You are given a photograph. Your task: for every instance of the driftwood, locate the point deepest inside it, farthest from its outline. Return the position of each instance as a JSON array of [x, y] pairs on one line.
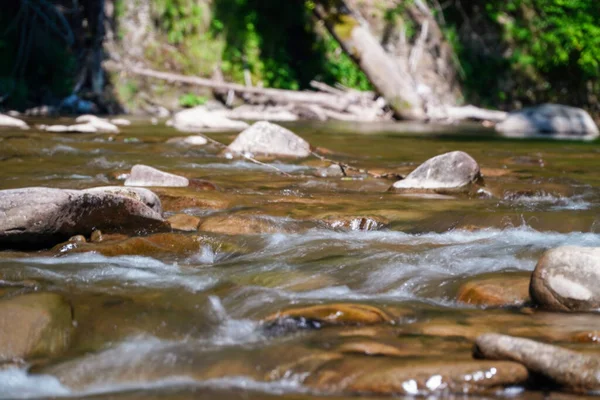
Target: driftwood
[[327, 103]]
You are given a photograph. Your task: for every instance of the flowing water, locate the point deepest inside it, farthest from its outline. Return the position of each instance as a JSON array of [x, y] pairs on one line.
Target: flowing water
[[189, 321]]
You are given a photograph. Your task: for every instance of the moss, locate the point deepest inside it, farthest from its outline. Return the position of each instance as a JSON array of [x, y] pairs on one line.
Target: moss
[[343, 26]]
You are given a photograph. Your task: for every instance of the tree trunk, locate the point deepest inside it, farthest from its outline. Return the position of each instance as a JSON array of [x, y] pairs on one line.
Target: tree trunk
[[392, 80]]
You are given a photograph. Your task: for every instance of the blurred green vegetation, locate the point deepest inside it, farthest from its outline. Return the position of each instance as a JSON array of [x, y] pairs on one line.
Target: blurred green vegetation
[[510, 52], [528, 51]]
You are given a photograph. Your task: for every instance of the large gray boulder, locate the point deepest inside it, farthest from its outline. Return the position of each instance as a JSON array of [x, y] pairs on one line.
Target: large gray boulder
[[143, 175], [570, 369], [449, 171], [41, 217], [550, 121], [567, 279], [267, 139], [200, 119]]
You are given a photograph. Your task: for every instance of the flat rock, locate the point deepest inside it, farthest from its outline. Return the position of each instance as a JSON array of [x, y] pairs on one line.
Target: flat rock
[[233, 224], [12, 122], [199, 118], [34, 325], [500, 290], [570, 369], [40, 217], [393, 376], [450, 171], [267, 139], [568, 279], [550, 121], [143, 175]]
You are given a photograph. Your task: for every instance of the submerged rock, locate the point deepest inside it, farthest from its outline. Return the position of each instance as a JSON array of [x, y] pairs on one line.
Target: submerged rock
[[333, 314], [450, 171], [194, 140], [184, 222], [199, 118], [12, 122], [570, 369], [393, 376], [267, 139], [143, 175], [233, 224], [495, 291], [568, 279], [550, 121], [41, 217], [34, 325]]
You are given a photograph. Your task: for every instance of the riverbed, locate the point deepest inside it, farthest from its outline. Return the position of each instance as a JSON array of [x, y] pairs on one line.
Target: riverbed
[[178, 321]]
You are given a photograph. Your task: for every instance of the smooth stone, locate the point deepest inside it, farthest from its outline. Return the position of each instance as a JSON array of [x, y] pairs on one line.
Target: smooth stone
[[34, 325], [334, 314], [184, 222], [568, 279], [143, 175], [570, 369], [267, 139], [41, 217], [495, 291], [12, 122], [194, 140], [101, 124], [199, 118], [550, 121], [454, 170], [394, 376], [77, 128]]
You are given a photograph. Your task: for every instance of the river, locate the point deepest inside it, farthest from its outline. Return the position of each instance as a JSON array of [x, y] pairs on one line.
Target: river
[[180, 321]]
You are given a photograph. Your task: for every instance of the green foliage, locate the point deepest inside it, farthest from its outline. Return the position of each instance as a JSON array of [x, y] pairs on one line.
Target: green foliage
[[179, 18], [279, 45], [529, 50], [192, 100]]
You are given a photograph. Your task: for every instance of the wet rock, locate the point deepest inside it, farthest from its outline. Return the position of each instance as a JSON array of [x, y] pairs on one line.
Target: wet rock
[[568, 279], [332, 171], [146, 196], [194, 140], [41, 217], [199, 118], [267, 139], [550, 121], [77, 128], [184, 222], [143, 175], [393, 376], [34, 325], [496, 291], [238, 225], [450, 171], [12, 122], [570, 369], [333, 314]]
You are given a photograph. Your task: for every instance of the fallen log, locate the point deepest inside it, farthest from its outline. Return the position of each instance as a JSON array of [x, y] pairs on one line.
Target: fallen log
[[278, 96]]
